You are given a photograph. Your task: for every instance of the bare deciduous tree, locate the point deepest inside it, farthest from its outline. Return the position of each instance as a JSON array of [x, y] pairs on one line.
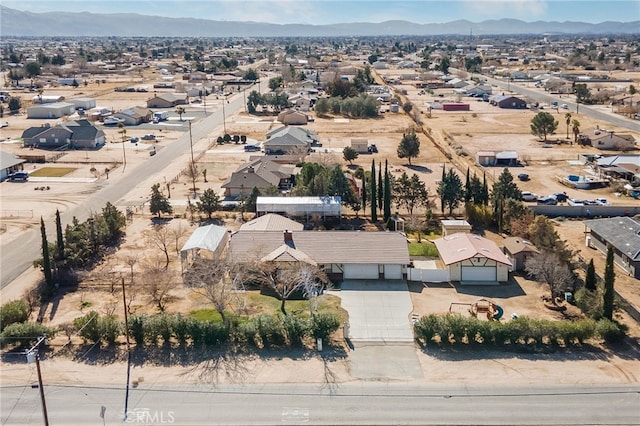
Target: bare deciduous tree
[[285, 279], [157, 282], [550, 269], [178, 231], [160, 237]]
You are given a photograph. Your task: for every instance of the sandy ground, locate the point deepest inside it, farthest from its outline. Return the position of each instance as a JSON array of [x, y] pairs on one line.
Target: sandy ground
[[22, 205]]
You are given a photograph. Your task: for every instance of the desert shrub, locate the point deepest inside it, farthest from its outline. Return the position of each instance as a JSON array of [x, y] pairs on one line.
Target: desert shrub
[[609, 331], [481, 215], [88, 327], [152, 328], [165, 326], [427, 328], [182, 328], [297, 329], [499, 334], [324, 325], [271, 330], [24, 334], [247, 333], [589, 302], [110, 328], [137, 325], [13, 312], [455, 327]]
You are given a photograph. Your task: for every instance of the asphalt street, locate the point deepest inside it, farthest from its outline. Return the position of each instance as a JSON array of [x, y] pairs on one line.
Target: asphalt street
[[350, 403]]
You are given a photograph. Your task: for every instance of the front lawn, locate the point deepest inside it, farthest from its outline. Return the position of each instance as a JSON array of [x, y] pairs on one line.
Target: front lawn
[[423, 249], [52, 172]]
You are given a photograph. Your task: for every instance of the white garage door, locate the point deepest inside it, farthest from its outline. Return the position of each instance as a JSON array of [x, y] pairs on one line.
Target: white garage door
[[361, 271], [479, 273], [392, 272]]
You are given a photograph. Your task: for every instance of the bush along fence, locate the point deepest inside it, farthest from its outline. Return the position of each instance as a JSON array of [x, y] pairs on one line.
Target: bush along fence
[[455, 329], [262, 331]]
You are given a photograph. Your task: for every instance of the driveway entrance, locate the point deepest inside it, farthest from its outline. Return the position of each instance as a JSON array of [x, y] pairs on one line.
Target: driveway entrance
[[378, 310]]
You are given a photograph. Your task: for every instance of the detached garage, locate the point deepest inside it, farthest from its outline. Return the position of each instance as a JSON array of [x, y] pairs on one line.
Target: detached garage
[[472, 259]]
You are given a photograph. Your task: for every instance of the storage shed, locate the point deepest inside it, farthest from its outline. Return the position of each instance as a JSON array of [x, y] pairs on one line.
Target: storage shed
[[448, 106], [83, 103], [300, 206], [53, 110]]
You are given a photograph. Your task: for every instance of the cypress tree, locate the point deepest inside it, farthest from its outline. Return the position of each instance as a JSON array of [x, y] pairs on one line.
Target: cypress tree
[[467, 188], [380, 187], [485, 190], [590, 278], [374, 204], [59, 238], [46, 261], [364, 194], [609, 278], [442, 181], [387, 192]]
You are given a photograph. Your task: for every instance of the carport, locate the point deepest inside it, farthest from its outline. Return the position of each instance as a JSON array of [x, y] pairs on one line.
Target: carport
[[378, 310]]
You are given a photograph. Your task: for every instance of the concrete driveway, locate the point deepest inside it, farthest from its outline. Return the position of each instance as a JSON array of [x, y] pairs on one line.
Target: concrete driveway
[[378, 310]]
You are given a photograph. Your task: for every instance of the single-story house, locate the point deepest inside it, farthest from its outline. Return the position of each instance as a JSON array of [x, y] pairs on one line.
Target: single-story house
[[472, 259], [272, 222], [341, 254], [502, 158], [518, 250], [134, 116], [511, 102], [479, 90], [623, 234], [292, 116], [301, 133], [260, 173], [206, 241], [168, 100], [306, 207], [74, 134], [83, 103], [52, 110], [288, 141], [612, 140], [9, 163], [621, 166]]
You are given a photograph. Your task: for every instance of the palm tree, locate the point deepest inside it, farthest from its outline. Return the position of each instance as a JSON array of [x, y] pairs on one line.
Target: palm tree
[[576, 130], [180, 110], [567, 119], [122, 131]]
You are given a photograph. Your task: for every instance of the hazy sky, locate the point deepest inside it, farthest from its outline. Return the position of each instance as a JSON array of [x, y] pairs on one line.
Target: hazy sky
[[333, 11]]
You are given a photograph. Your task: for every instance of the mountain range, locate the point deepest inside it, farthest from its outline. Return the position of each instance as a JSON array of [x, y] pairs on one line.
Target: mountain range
[[58, 24]]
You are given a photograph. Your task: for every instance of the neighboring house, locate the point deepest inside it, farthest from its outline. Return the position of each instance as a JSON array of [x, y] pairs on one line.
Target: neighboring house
[[510, 102], [260, 173], [302, 102], [341, 254], [206, 242], [472, 259], [502, 158], [287, 140], [611, 140], [623, 234], [51, 110], [168, 100], [272, 222], [134, 116], [453, 226], [518, 250], [479, 90], [83, 103], [79, 134], [9, 163], [620, 166], [291, 116], [306, 207]]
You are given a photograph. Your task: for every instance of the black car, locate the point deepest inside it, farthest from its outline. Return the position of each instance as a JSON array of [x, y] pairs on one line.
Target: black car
[[561, 197], [523, 177]]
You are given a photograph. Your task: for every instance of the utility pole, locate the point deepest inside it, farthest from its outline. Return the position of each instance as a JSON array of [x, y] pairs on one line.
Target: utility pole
[[33, 356], [193, 164], [124, 157], [126, 332], [224, 117]]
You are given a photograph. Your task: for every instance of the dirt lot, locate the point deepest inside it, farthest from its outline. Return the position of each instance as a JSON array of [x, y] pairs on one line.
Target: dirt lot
[[491, 128]]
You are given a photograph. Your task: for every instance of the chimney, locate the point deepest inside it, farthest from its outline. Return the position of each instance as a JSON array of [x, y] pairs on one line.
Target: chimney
[[288, 237], [250, 169]]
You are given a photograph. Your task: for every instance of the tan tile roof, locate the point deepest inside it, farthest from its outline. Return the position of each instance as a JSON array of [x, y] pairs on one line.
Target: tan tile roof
[[326, 247], [272, 222], [285, 253], [519, 245], [462, 246]]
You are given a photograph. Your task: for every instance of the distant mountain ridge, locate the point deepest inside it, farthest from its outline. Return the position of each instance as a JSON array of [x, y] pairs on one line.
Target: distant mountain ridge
[[51, 24]]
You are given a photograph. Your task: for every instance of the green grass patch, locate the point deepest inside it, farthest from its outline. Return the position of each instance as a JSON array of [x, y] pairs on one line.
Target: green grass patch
[[206, 315], [52, 171], [423, 249]]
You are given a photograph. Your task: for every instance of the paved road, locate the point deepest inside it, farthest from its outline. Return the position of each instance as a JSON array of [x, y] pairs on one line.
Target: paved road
[[595, 112], [17, 255], [350, 403]]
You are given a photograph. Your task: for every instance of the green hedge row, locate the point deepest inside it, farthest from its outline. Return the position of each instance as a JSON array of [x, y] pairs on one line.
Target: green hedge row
[[13, 312], [259, 331], [457, 329], [24, 334]]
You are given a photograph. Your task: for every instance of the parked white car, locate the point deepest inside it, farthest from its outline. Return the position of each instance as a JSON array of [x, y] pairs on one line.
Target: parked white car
[[529, 196]]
